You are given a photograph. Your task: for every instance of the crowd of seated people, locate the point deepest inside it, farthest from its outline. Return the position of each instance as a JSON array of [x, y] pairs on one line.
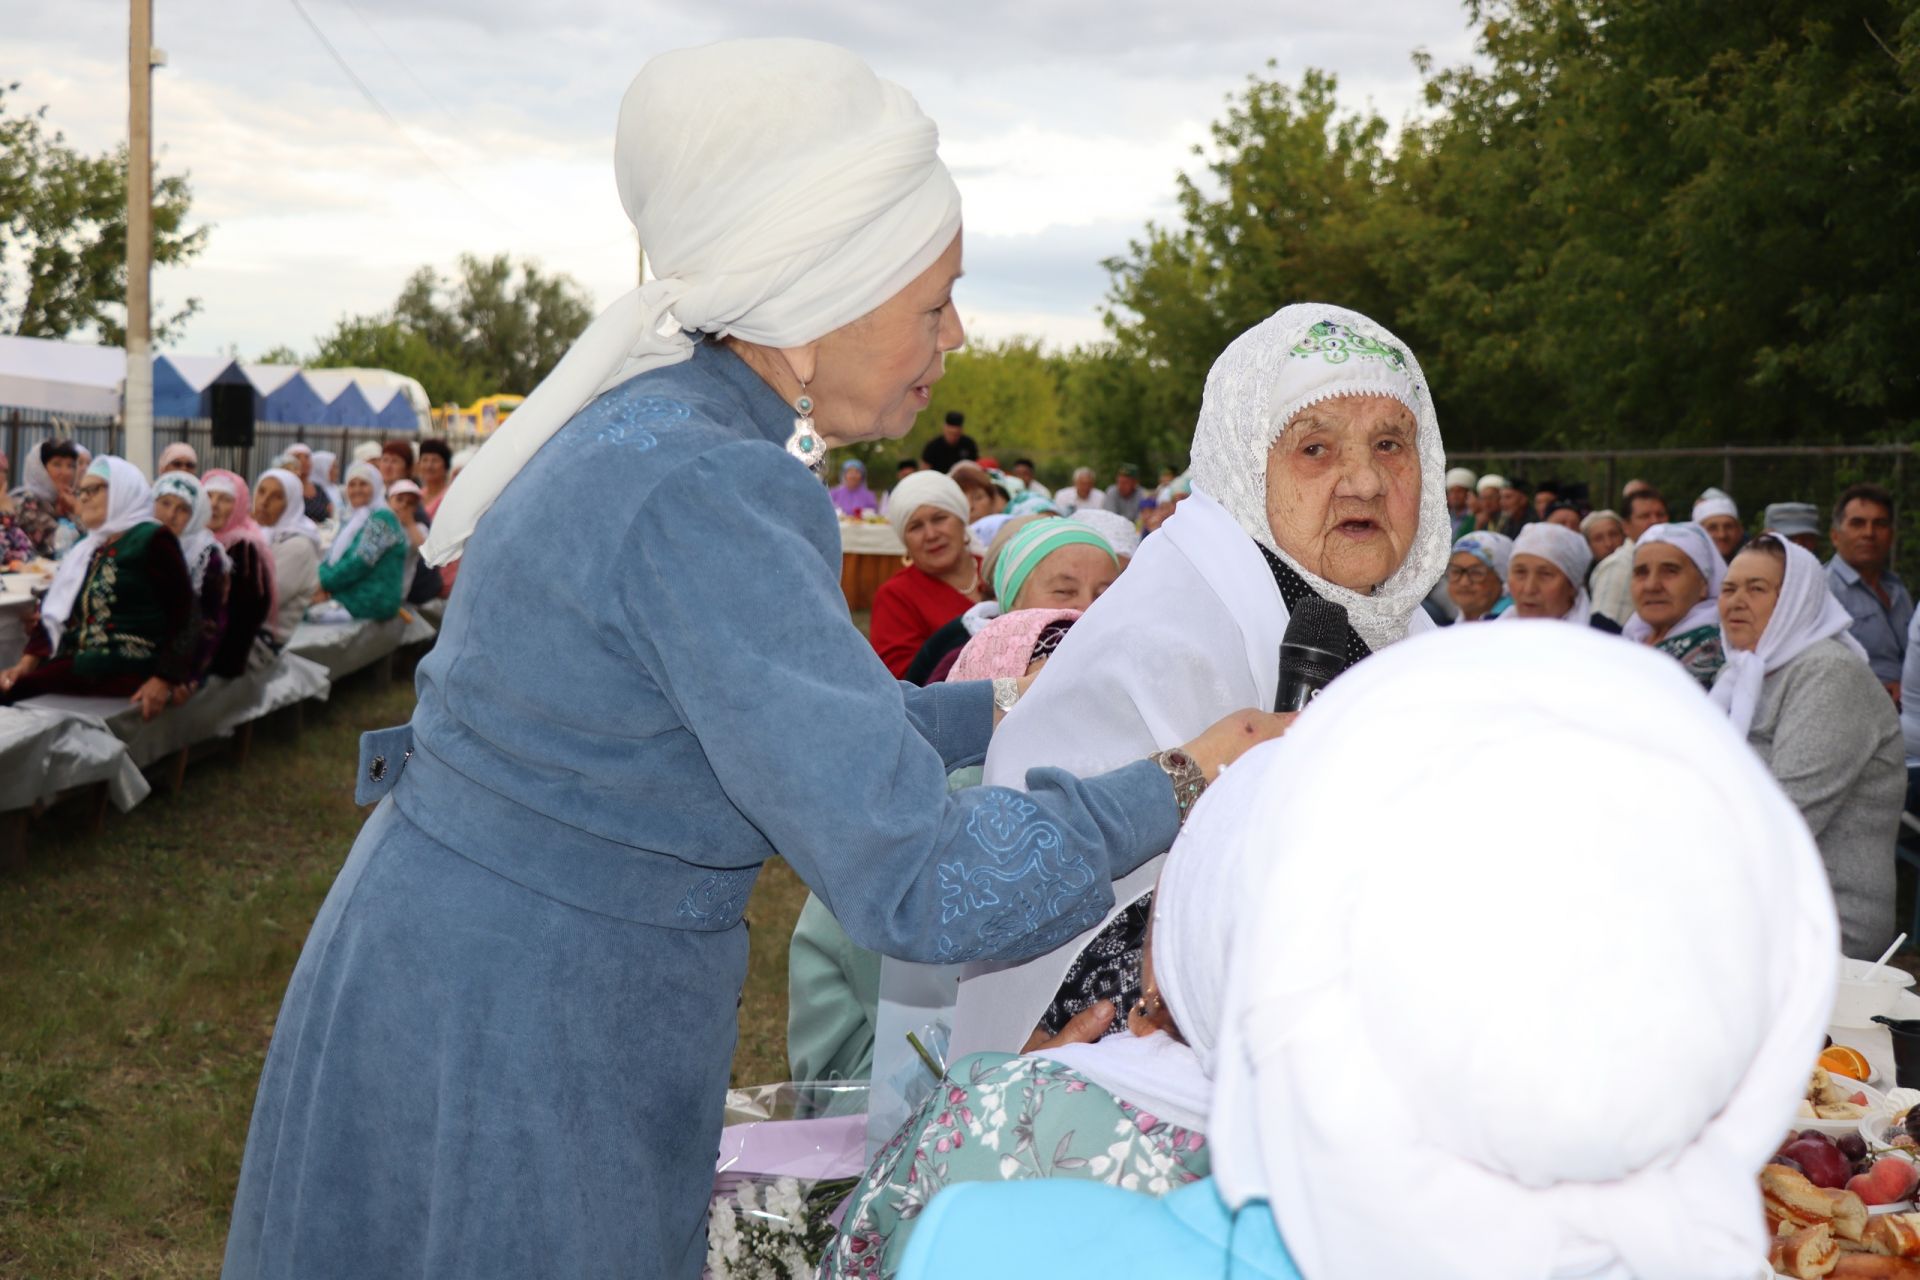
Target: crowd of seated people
[[158, 586], [1712, 648]]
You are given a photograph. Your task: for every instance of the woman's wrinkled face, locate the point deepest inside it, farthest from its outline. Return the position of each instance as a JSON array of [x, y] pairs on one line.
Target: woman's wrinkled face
[[1343, 489], [872, 377], [1748, 597], [219, 509], [393, 469], [1071, 578], [935, 540], [1665, 584], [172, 511], [1538, 588], [359, 491], [431, 470], [1471, 585], [269, 502], [90, 501], [1606, 539]]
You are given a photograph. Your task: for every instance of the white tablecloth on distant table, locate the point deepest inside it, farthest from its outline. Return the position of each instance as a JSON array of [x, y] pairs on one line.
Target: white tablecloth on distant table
[[214, 711], [43, 753], [862, 539], [345, 647]]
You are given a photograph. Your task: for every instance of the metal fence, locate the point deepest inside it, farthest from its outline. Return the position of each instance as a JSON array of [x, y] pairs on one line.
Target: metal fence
[[21, 429]]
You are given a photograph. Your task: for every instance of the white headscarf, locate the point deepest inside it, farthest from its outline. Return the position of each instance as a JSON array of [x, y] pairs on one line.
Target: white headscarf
[[1566, 551], [924, 488], [1299, 356], [129, 504], [323, 463], [1715, 502], [1697, 544], [356, 518], [1495, 550], [34, 479], [199, 547], [1207, 884], [293, 521], [1584, 1077], [781, 189], [1805, 614], [1119, 531]]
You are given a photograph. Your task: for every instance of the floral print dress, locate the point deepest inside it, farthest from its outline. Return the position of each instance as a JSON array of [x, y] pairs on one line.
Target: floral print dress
[[1002, 1118], [1700, 651]]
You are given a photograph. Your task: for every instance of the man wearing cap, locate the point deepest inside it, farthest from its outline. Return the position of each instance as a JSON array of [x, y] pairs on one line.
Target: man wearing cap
[[1716, 512], [1861, 578], [1516, 508], [1124, 498], [1797, 522], [1460, 486], [1487, 502], [952, 445]]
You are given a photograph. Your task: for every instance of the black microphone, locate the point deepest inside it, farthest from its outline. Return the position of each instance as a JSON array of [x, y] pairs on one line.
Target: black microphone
[[1312, 653]]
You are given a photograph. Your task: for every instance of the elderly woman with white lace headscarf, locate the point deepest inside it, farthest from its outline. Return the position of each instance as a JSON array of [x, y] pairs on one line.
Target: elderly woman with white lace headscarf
[[181, 503], [1318, 472], [505, 1048], [1797, 684], [1400, 1094]]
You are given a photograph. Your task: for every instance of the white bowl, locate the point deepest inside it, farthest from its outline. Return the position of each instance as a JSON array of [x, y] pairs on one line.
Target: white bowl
[[1866, 989], [1876, 1105]]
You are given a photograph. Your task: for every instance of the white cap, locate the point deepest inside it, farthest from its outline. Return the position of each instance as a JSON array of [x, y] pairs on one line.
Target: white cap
[[1460, 478], [1491, 481]]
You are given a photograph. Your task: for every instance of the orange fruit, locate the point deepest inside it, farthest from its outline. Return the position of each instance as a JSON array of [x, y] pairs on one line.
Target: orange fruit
[[1842, 1061]]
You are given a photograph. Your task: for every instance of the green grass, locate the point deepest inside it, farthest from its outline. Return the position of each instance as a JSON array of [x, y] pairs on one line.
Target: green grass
[[142, 971]]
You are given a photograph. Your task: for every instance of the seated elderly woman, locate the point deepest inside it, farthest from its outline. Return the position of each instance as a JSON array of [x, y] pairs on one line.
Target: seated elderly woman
[[851, 497], [180, 504], [1797, 684], [1677, 572], [833, 985], [250, 580], [366, 566], [985, 497], [1317, 471], [178, 456], [1477, 575], [43, 505], [118, 619], [315, 499], [1547, 577], [296, 550], [928, 513], [1054, 1112], [1380, 1109], [1046, 563]]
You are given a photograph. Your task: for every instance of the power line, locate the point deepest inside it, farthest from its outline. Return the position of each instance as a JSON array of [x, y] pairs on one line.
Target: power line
[[446, 114]]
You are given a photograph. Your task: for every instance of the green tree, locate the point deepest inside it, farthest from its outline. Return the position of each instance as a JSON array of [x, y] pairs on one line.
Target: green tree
[[369, 342], [506, 325], [63, 234]]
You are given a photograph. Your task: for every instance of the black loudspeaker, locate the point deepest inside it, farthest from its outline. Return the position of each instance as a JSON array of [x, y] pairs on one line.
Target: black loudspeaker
[[231, 408]]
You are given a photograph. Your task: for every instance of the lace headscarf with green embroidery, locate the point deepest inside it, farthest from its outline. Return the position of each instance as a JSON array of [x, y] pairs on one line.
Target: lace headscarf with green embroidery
[[1297, 357]]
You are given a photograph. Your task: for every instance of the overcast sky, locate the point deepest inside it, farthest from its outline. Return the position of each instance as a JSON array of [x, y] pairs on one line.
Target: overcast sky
[[1064, 122]]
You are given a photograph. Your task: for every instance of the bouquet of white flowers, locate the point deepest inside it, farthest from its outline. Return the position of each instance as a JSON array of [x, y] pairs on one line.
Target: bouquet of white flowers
[[789, 1156]]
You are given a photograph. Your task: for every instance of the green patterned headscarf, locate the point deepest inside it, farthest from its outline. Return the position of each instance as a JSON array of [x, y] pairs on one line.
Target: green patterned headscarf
[[1035, 543]]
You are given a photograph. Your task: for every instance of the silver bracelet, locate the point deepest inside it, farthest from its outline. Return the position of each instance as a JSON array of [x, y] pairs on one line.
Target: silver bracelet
[[1006, 692], [1186, 775]]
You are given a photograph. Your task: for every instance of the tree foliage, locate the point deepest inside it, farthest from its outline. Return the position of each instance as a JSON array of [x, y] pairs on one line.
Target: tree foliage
[[491, 327], [63, 234]]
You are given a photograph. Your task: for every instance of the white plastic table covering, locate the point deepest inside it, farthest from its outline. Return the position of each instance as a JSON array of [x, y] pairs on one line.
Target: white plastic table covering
[[45, 752]]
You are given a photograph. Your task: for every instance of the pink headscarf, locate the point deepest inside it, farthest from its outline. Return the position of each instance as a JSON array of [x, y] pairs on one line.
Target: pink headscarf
[[241, 526], [1004, 647]]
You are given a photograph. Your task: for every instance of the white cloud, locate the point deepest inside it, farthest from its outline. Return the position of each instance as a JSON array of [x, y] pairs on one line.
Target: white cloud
[[1064, 121]]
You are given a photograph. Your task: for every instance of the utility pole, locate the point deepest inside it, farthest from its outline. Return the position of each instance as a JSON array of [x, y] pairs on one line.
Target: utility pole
[[138, 412]]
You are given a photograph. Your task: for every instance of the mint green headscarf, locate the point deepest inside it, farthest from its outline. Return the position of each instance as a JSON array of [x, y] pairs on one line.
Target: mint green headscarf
[[1032, 545]]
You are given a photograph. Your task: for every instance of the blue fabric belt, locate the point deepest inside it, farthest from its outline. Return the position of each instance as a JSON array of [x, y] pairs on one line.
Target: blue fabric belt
[[541, 853]]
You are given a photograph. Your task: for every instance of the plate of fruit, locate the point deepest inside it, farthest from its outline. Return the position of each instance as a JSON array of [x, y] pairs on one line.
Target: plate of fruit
[[1845, 1064], [1885, 1182], [1835, 1105]]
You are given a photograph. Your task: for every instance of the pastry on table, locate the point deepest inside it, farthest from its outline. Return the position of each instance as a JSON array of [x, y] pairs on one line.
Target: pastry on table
[[1894, 1235], [1789, 1198], [1808, 1253]]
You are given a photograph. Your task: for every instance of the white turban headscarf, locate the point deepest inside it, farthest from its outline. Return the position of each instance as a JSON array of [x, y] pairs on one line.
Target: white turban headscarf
[[1566, 551], [925, 488], [1299, 356], [1805, 613], [781, 190], [129, 504], [1697, 545], [1576, 1070]]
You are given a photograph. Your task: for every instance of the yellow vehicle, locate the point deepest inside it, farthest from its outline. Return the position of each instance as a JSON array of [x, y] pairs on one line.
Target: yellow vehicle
[[476, 419]]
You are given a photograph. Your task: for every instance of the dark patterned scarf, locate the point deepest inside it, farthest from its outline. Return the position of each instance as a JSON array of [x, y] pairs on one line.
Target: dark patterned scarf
[[1294, 589]]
